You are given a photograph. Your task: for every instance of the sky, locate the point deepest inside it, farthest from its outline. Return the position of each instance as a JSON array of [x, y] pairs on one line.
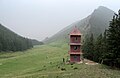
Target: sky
[[38, 19]]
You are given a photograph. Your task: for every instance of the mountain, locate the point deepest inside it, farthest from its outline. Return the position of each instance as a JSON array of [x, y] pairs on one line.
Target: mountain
[[10, 41], [95, 23], [36, 42]]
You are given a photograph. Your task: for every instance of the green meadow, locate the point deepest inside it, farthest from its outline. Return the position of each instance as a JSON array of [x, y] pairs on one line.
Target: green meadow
[[46, 62]]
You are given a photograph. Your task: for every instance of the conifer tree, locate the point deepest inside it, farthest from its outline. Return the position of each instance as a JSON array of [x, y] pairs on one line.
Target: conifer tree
[[88, 47], [98, 48], [104, 47], [112, 56]]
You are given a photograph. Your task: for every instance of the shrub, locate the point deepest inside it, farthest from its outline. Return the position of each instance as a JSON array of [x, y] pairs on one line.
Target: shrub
[[75, 68], [63, 69]]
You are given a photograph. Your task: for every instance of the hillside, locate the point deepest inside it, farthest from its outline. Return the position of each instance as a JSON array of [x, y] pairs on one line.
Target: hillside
[[95, 23], [10, 41], [36, 42], [46, 62]]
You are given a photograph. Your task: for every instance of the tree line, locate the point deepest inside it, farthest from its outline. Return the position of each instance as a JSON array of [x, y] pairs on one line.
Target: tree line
[[105, 48], [9, 41]]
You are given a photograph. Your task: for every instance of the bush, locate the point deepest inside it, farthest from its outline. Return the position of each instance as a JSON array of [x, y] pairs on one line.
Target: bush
[[63, 69], [75, 68], [71, 66], [58, 67]]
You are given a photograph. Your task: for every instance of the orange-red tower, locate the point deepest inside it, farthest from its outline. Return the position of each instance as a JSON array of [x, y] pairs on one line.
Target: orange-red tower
[[75, 45]]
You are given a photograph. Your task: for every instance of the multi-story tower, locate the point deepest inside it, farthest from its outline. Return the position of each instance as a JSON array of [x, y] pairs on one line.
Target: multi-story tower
[[75, 45]]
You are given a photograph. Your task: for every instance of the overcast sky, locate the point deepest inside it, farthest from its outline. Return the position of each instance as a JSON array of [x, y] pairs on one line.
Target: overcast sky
[[38, 19]]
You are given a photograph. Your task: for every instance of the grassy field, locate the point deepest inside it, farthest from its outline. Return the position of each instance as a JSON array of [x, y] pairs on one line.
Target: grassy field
[[46, 62]]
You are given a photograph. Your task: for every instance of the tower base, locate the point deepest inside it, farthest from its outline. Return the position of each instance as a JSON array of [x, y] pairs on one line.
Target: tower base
[[75, 58]]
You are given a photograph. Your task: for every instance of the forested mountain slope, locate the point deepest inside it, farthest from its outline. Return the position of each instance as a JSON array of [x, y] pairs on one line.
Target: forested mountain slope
[[36, 42], [10, 41]]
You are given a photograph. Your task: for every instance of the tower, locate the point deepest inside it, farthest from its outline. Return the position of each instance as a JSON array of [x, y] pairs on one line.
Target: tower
[[75, 45]]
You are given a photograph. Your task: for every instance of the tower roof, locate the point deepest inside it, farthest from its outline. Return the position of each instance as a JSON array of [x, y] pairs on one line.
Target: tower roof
[[75, 31]]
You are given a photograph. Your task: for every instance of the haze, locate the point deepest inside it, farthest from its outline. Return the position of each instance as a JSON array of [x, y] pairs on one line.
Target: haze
[[38, 19]]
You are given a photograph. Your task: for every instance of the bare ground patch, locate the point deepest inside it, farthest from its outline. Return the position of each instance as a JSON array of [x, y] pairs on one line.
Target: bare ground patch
[[89, 62]]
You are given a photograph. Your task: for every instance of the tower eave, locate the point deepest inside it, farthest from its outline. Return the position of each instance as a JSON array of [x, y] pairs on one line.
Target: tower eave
[[75, 43], [75, 53]]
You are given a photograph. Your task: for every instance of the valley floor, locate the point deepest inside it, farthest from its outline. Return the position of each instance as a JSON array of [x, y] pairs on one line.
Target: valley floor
[[46, 62]]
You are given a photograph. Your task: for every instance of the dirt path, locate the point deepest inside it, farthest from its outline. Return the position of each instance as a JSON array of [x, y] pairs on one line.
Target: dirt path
[[89, 62]]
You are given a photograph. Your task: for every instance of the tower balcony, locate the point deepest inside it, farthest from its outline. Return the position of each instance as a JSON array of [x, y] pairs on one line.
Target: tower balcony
[[69, 52], [75, 44]]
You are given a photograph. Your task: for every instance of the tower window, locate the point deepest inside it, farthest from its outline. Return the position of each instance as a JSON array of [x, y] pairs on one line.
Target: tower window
[[75, 58], [75, 47], [75, 38]]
